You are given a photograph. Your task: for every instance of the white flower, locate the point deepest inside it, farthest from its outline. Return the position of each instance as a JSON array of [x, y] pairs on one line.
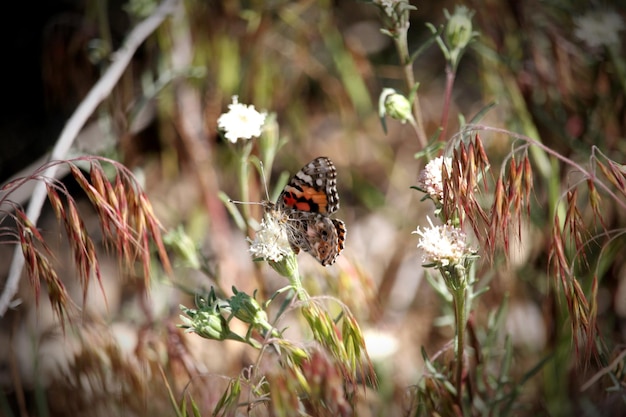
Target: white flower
[[270, 242], [431, 177], [442, 245], [241, 121], [598, 28]]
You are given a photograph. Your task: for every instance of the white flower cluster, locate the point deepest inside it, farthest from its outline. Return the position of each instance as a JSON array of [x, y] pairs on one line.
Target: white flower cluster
[[270, 241], [241, 121], [442, 245], [598, 28], [431, 177]]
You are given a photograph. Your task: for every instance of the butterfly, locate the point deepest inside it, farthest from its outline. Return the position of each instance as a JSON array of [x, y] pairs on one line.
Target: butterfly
[[304, 207]]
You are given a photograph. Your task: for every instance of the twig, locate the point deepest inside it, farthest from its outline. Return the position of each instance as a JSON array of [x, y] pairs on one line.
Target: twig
[[612, 366], [101, 90]]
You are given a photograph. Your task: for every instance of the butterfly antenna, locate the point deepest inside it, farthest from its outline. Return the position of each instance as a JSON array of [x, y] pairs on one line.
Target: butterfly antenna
[[267, 195], [230, 200]]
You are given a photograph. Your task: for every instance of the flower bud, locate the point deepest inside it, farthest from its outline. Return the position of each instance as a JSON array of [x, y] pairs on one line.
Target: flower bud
[[248, 310], [459, 29], [395, 105], [209, 324]]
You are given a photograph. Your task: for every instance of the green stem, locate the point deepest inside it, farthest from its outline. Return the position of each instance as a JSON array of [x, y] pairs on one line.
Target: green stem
[[456, 281], [296, 284], [459, 297], [288, 268], [244, 186], [402, 46]]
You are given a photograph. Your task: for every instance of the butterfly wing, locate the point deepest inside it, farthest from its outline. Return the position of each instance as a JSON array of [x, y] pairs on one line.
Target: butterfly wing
[[320, 236], [313, 189]]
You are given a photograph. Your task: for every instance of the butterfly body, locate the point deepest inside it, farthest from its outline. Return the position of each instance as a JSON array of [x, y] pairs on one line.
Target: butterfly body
[[304, 207]]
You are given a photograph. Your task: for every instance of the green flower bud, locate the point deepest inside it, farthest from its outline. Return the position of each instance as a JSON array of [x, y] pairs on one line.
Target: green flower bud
[[248, 310], [398, 107], [459, 29], [209, 324], [395, 105]]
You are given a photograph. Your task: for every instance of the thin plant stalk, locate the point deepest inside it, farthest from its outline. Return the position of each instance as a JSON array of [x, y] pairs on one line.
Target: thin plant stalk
[[407, 67], [244, 188], [296, 283], [456, 281], [241, 151], [460, 317]]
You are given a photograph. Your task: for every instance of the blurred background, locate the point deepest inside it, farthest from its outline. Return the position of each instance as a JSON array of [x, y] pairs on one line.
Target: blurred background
[[320, 67]]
